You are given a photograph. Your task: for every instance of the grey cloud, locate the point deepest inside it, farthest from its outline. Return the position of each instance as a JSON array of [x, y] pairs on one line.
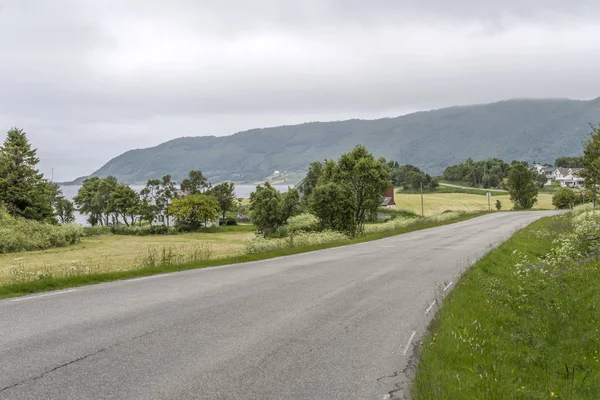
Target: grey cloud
[[90, 80]]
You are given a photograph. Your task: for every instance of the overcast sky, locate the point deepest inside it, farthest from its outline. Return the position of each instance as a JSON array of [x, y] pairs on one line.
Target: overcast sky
[[91, 79]]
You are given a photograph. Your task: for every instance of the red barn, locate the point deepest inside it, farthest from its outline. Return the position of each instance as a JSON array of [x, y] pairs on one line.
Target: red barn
[[388, 198]]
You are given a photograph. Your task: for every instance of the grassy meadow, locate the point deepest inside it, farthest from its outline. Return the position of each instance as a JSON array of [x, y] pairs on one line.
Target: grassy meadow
[[523, 323], [437, 203], [105, 253]]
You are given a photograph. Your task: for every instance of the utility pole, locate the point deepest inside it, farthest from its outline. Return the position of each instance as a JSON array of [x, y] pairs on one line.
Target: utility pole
[[422, 204], [489, 196]]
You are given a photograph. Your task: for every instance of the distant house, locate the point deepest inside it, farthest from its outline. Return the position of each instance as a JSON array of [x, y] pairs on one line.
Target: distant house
[[388, 198], [569, 177], [545, 170]]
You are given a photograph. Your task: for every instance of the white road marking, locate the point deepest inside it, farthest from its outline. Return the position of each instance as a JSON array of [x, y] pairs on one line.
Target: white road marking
[[410, 339], [430, 307], [43, 295], [448, 287]]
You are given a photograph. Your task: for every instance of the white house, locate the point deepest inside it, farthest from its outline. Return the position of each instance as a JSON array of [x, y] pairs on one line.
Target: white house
[[548, 171], [569, 177]]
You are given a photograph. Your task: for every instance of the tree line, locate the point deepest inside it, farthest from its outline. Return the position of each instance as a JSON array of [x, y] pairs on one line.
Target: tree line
[[195, 203]]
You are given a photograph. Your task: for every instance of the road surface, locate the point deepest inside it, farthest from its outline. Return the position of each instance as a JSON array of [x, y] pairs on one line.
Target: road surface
[[334, 324]]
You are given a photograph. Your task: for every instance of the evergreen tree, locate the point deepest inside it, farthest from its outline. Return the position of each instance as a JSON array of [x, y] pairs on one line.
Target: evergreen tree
[[23, 188]]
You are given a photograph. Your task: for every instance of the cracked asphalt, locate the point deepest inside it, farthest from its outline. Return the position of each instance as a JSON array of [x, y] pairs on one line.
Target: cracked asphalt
[[340, 323]]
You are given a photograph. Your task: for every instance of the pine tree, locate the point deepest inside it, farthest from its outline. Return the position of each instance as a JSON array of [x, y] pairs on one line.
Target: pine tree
[[23, 188]]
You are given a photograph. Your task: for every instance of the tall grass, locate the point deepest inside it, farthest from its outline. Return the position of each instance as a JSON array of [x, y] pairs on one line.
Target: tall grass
[[258, 244], [524, 322], [17, 234], [153, 257]]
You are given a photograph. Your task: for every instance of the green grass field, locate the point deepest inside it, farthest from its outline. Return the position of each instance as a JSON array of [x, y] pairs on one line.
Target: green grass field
[[514, 328], [106, 253], [437, 203]]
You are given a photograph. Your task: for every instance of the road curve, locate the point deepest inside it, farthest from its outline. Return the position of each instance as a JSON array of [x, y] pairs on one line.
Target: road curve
[[334, 324]]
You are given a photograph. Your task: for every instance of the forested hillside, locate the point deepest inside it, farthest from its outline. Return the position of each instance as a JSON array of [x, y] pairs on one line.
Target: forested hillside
[[540, 130]]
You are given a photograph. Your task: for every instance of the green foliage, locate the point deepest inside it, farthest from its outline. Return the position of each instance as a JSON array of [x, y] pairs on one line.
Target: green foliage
[[410, 177], [311, 180], [142, 230], [591, 160], [23, 190], [65, 211], [523, 322], [269, 209], [195, 183], [302, 223], [522, 187], [156, 197], [569, 162], [20, 234], [125, 203], [333, 204], [486, 173], [93, 198], [564, 198], [225, 195], [498, 205], [195, 210], [362, 178], [515, 129]]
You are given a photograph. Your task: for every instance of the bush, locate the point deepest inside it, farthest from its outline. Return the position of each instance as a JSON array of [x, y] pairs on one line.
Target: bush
[[143, 230], [227, 221], [97, 230], [259, 244], [17, 234], [564, 198], [302, 223]]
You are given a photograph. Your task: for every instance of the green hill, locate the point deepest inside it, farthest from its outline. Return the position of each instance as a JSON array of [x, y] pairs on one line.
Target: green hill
[[539, 130]]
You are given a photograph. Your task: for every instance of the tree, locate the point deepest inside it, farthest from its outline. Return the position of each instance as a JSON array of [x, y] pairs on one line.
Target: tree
[[125, 203], [541, 180], [569, 162], [522, 187], [65, 211], [93, 199], [269, 209], [23, 190], [311, 180], [564, 198], [333, 204], [364, 176], [195, 210], [225, 195], [498, 205], [591, 162], [195, 183]]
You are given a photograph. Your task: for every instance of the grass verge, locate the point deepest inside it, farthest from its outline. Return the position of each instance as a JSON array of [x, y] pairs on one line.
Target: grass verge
[[51, 283], [517, 326]]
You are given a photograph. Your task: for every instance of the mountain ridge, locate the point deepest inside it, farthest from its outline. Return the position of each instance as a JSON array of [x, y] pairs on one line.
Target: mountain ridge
[[529, 129]]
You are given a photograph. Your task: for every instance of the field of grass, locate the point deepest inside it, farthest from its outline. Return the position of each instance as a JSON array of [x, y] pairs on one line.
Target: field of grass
[[119, 252], [519, 324], [437, 203], [46, 282]]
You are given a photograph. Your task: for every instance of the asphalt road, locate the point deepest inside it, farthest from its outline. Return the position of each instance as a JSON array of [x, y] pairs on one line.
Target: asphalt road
[[335, 324]]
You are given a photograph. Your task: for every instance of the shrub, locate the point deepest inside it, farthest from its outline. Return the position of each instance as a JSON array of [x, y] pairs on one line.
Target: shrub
[[17, 234], [259, 244], [97, 230], [142, 230], [302, 223], [227, 221], [564, 198]]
